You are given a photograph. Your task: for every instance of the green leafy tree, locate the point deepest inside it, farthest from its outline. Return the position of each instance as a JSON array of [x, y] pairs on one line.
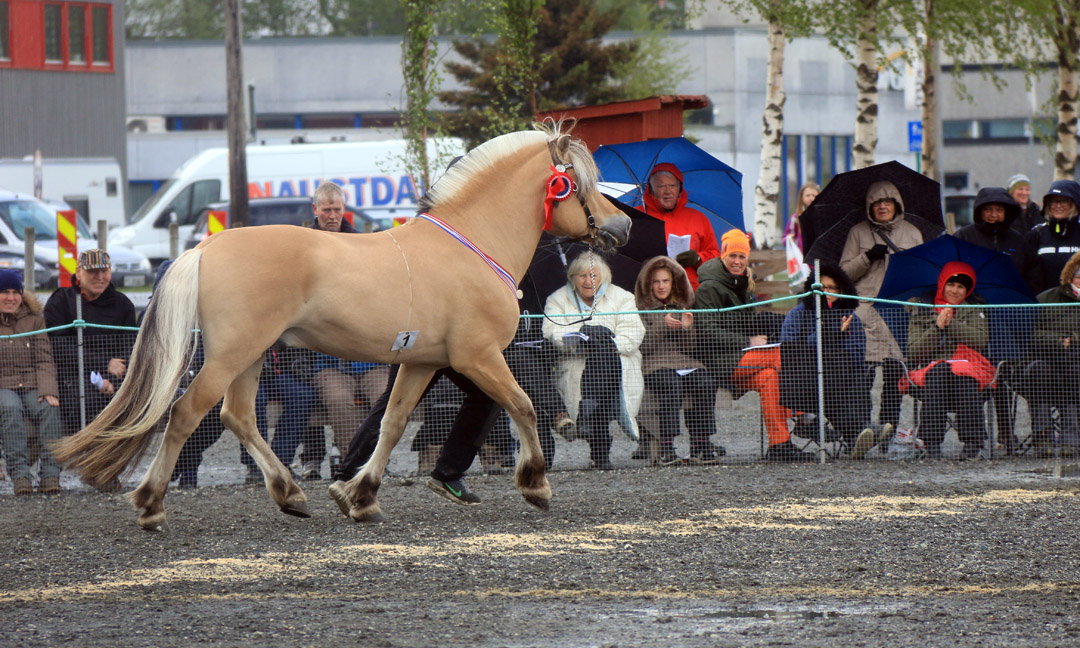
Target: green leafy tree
[[363, 17], [546, 56]]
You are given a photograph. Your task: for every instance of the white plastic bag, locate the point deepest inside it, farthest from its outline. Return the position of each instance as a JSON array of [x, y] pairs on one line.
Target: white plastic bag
[[904, 445]]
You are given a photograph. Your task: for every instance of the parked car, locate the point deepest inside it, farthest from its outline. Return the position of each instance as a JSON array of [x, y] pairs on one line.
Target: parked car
[[19, 211], [13, 258], [284, 211]]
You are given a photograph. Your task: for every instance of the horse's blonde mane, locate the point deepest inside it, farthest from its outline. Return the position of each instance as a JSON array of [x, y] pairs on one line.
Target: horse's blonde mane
[[488, 154]]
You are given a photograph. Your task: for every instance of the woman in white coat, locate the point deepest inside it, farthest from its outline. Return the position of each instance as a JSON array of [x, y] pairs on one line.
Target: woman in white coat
[[599, 368]]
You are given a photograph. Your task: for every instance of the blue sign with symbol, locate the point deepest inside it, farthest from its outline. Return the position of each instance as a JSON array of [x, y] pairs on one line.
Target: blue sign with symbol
[[914, 136]]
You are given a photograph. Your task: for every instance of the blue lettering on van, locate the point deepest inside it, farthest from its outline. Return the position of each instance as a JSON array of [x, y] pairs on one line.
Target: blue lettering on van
[[360, 191], [358, 188], [406, 191], [382, 190]]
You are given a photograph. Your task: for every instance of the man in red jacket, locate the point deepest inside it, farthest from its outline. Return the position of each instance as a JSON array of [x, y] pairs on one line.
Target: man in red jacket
[[690, 237]]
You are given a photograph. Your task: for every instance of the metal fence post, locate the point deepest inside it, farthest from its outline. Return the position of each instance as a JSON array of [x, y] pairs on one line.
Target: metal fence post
[[820, 363]]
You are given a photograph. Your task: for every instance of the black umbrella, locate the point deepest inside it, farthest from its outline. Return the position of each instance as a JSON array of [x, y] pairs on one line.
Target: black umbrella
[[846, 193], [830, 245], [547, 272]]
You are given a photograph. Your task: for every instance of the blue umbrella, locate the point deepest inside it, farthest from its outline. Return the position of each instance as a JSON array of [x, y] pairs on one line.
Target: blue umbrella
[[914, 273], [712, 187]]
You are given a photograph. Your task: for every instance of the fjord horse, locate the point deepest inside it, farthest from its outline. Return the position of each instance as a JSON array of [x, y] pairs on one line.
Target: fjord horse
[[439, 291]]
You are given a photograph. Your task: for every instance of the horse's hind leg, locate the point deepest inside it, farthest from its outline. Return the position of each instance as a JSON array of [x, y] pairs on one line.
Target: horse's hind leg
[[184, 417], [493, 376], [238, 414], [362, 490]]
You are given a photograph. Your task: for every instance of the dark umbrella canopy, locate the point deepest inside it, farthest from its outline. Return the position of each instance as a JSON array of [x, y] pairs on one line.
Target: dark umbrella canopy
[[846, 193], [712, 187], [547, 272], [914, 273], [830, 245]]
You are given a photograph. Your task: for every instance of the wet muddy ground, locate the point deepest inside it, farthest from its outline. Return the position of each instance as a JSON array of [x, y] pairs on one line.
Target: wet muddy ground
[[869, 554]]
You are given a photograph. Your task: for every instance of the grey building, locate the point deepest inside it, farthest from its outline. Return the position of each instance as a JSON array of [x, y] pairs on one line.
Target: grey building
[[62, 79], [325, 88]]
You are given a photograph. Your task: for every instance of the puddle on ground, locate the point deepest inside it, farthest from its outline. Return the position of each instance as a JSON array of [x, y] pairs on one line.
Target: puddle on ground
[[773, 615], [1058, 470]]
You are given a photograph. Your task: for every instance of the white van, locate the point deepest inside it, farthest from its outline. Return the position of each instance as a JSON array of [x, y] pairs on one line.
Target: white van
[[370, 173], [92, 186]]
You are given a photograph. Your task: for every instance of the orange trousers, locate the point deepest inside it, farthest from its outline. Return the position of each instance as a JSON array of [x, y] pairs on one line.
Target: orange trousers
[[759, 370]]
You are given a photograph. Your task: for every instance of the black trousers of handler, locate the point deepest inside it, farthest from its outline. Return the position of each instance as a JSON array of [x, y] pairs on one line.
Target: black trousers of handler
[[532, 368], [670, 390], [945, 392], [471, 426]]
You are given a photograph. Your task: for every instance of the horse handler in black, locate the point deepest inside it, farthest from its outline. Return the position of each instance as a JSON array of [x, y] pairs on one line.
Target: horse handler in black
[[470, 430]]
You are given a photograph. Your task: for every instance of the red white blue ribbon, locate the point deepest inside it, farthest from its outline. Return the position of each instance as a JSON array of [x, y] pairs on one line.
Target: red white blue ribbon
[[506, 277]]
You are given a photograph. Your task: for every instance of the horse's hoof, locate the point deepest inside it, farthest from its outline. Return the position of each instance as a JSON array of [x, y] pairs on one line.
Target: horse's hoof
[[367, 514], [340, 497], [299, 508], [155, 523], [541, 503]]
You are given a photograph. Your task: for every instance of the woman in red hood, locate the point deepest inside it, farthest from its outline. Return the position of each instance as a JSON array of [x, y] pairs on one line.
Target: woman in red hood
[[948, 342], [666, 201]]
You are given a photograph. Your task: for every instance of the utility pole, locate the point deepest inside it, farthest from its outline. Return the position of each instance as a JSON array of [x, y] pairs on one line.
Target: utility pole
[[234, 81]]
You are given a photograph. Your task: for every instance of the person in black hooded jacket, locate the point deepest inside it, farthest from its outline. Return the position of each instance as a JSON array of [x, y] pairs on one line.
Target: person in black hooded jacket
[[1053, 242], [994, 213], [847, 401]]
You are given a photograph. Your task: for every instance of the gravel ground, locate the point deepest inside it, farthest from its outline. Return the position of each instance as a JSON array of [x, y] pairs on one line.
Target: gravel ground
[[898, 553]]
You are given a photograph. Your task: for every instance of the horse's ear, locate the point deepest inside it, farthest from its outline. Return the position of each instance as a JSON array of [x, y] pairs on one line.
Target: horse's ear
[[562, 145]]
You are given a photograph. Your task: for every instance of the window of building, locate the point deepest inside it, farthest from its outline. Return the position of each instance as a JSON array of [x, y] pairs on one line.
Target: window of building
[[76, 34], [57, 36], [102, 23], [811, 158], [5, 44], [987, 131], [54, 38]]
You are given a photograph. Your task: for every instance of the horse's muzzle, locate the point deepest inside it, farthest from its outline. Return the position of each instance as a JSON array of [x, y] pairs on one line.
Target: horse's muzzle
[[615, 232]]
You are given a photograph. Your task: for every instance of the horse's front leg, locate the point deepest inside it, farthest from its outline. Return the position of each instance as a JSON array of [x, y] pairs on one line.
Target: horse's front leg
[[493, 376], [362, 490]]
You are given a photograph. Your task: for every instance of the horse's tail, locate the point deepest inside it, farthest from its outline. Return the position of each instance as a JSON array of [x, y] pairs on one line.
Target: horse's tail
[[163, 352]]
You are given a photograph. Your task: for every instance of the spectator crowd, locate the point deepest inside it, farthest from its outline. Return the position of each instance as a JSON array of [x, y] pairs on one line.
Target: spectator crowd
[[647, 358]]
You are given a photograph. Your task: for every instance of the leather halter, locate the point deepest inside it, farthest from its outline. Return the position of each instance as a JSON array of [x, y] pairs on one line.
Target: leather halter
[[559, 187]]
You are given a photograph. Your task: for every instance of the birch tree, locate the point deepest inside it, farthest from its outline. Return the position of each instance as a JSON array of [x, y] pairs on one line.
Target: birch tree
[[1065, 33], [786, 20], [865, 141]]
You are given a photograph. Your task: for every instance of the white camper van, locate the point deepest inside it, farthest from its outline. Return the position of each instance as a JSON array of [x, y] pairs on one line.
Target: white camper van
[[370, 173], [93, 187]]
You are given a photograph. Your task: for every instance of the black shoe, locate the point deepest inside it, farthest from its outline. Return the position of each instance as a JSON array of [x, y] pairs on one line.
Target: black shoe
[[668, 457], [456, 491], [188, 481], [787, 453], [707, 456], [603, 464]]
